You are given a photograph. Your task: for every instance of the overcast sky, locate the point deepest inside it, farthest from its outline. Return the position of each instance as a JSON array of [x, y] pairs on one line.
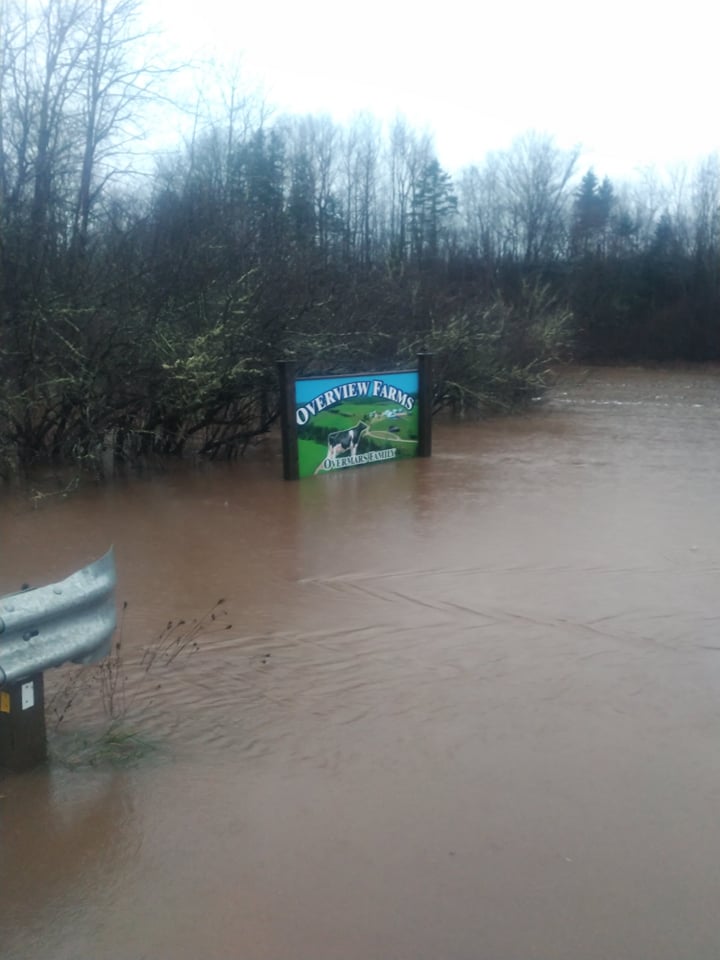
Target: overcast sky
[[634, 82]]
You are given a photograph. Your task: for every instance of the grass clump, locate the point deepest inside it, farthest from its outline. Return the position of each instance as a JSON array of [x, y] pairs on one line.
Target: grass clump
[[115, 745], [109, 695]]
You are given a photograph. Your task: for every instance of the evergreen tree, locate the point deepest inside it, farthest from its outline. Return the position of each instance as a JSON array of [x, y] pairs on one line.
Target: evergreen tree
[[592, 209], [433, 206]]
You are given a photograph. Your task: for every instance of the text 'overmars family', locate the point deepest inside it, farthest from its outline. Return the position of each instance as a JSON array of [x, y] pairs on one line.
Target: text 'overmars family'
[[373, 456]]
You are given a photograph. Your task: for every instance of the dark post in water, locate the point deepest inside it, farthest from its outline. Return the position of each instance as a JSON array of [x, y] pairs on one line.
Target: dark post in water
[[23, 743], [286, 370], [425, 404]]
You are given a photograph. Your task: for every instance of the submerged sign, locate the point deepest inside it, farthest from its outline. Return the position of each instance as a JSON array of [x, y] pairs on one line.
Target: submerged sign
[[354, 420]]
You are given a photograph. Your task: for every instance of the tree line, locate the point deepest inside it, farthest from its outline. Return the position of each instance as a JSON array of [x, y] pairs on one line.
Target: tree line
[[143, 306]]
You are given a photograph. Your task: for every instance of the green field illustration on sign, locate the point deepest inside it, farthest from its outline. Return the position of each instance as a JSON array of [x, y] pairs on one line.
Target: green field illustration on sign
[[355, 420]]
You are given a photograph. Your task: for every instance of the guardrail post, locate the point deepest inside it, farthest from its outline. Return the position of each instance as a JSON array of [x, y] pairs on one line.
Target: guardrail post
[[23, 742], [69, 621]]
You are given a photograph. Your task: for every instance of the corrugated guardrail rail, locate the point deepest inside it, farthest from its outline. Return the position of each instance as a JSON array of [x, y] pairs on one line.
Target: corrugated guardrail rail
[[72, 620]]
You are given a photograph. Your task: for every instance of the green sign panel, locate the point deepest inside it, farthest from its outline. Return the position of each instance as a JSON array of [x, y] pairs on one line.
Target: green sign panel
[[351, 421]]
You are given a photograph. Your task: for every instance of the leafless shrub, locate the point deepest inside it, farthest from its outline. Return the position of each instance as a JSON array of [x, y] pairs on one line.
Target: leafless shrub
[[120, 680]]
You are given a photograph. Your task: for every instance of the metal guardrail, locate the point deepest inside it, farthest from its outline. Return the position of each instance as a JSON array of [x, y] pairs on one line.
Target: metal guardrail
[[72, 620]]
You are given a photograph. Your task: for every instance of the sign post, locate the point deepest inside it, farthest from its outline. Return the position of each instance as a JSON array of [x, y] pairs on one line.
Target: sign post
[[23, 743], [425, 405], [286, 370]]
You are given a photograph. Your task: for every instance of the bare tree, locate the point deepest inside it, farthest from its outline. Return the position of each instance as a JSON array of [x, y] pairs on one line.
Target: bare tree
[[408, 153], [706, 210], [113, 88], [74, 82], [536, 176], [359, 171]]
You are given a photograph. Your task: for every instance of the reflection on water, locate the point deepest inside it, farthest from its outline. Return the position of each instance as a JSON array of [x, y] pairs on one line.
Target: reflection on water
[[64, 840], [467, 707]]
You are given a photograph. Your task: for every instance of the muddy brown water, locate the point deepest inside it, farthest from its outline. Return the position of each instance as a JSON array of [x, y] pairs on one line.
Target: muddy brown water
[[467, 708]]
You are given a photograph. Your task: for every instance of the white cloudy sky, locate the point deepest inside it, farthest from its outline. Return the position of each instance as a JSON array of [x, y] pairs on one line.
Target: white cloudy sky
[[634, 82]]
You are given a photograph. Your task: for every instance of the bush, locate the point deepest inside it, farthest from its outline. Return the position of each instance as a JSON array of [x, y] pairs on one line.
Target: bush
[[500, 355]]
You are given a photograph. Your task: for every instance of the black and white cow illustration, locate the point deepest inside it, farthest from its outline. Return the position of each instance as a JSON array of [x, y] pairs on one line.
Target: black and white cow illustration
[[345, 441]]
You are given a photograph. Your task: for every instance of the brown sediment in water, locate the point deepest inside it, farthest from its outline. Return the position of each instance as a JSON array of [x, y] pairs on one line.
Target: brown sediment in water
[[467, 708]]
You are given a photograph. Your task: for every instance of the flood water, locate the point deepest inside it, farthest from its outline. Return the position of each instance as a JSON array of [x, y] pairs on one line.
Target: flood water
[[467, 708]]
